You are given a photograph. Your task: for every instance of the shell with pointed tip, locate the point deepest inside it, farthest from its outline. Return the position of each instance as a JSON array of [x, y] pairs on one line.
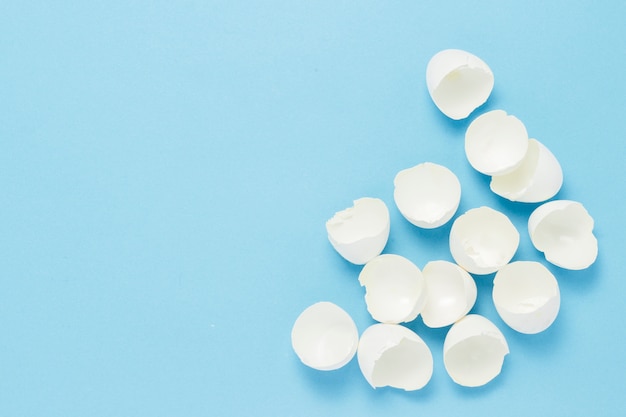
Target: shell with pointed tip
[[392, 355], [360, 233]]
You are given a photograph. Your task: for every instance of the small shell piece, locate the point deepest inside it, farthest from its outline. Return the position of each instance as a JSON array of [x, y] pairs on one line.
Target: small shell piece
[[394, 289], [496, 143], [563, 230], [392, 355], [458, 82], [526, 296], [474, 351], [360, 233], [427, 194], [324, 336], [451, 293], [483, 240], [538, 178]]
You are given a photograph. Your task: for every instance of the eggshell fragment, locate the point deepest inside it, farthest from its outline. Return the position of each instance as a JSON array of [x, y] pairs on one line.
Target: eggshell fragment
[[538, 178], [360, 233], [483, 240], [451, 293], [526, 296], [394, 288], [392, 355], [474, 351], [563, 231], [496, 143], [458, 82], [324, 336], [427, 194]]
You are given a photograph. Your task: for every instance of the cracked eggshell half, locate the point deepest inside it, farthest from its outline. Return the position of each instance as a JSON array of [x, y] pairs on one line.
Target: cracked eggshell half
[[496, 143], [483, 240], [458, 82], [427, 194], [526, 296], [360, 233], [563, 231], [392, 355], [394, 289], [474, 351], [538, 178], [324, 336], [451, 293]]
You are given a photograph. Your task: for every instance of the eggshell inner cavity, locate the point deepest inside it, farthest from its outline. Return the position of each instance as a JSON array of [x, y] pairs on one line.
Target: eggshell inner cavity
[[526, 296], [392, 355], [394, 289], [451, 293], [496, 143], [324, 336], [563, 230], [483, 240], [427, 194], [474, 351], [360, 233], [538, 178], [458, 82]]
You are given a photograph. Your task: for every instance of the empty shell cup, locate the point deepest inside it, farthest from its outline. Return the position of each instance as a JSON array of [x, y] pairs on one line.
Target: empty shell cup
[[451, 293], [458, 82], [496, 143], [563, 231], [474, 351], [483, 240], [538, 178], [394, 289], [324, 336], [392, 355], [427, 194], [526, 296], [360, 233]]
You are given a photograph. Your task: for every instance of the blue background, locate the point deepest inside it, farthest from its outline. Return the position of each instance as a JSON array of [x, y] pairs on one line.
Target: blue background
[[167, 167]]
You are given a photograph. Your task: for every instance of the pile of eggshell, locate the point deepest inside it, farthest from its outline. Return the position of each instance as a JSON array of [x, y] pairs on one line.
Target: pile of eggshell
[[482, 241]]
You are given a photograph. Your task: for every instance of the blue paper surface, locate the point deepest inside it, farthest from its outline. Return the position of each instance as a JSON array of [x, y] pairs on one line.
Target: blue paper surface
[[167, 167]]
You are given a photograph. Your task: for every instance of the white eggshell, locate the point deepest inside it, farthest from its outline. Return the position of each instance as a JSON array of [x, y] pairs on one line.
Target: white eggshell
[[474, 351], [392, 355], [526, 296], [538, 178], [483, 240], [360, 233], [324, 336], [427, 194], [394, 288], [563, 231], [458, 82], [451, 293], [496, 143]]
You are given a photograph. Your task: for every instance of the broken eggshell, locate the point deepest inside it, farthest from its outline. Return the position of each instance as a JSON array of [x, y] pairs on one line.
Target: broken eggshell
[[394, 289], [483, 240], [392, 355], [563, 231], [538, 178], [496, 143], [427, 194], [474, 351], [360, 233], [451, 293], [458, 82], [324, 336], [526, 296]]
